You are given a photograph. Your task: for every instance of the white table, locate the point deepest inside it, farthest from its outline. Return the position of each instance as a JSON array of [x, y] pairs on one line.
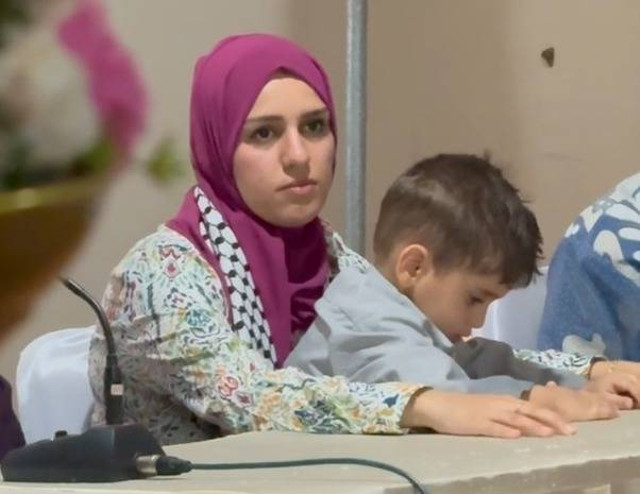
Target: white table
[[601, 453]]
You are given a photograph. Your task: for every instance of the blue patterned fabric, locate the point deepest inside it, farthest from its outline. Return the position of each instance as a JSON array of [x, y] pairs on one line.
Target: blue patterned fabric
[[593, 296]]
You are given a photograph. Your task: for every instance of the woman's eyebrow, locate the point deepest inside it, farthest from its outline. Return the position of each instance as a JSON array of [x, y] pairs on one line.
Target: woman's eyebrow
[[319, 112], [264, 119]]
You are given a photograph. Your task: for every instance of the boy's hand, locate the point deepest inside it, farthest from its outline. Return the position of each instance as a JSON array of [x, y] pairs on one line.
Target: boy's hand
[[483, 415], [623, 390], [573, 405]]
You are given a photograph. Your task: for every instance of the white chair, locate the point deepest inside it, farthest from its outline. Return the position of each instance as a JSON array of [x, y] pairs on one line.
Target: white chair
[[515, 318], [52, 384]]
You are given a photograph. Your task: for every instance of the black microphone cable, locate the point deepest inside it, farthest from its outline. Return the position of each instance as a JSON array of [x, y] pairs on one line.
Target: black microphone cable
[[171, 465], [113, 385]]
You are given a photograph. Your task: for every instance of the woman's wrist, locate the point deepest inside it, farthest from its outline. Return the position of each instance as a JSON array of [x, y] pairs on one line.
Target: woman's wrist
[[599, 367], [416, 412]]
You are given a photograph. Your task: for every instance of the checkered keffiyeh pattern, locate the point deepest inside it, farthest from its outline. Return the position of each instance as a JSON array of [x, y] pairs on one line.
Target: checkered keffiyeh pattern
[[247, 311]]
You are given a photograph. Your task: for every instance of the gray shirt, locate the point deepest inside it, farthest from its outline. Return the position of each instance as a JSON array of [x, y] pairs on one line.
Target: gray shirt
[[367, 331]]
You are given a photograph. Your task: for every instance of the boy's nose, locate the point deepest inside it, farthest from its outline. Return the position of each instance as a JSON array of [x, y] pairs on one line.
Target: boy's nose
[[479, 317]]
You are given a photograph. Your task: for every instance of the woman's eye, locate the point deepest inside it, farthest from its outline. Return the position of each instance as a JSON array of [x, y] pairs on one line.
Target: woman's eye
[[316, 128], [261, 134]]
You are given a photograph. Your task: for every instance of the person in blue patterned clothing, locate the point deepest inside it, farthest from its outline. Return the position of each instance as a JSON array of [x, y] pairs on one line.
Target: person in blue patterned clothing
[[593, 290]]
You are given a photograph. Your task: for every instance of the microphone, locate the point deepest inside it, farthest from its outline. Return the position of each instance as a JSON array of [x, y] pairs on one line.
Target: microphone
[[101, 454], [106, 453], [113, 386]]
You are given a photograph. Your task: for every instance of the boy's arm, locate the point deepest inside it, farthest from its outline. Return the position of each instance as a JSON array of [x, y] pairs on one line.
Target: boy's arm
[[310, 354], [391, 348], [482, 357]]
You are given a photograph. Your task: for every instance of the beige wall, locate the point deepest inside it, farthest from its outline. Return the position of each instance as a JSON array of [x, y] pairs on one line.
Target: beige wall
[[460, 75], [463, 75], [445, 75]]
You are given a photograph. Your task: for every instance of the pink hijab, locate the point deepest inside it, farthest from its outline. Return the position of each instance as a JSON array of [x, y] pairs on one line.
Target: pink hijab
[[289, 265]]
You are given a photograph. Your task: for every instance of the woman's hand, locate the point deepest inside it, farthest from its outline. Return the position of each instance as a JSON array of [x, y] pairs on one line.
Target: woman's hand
[[604, 367], [482, 415], [622, 389]]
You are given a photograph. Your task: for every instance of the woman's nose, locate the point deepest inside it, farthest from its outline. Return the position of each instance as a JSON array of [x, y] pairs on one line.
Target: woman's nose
[[295, 152]]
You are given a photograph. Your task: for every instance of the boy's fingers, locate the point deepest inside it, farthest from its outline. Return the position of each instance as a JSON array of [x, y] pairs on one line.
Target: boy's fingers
[[498, 429], [547, 417], [527, 425]]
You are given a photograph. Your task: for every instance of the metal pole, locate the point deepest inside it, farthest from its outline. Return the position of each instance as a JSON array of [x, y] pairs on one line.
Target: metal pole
[[356, 121]]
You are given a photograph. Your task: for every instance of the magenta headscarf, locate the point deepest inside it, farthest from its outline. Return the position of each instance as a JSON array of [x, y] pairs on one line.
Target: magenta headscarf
[[289, 265]]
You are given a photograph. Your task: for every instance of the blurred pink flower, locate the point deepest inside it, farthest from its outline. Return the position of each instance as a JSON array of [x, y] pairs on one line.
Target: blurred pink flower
[[115, 84]]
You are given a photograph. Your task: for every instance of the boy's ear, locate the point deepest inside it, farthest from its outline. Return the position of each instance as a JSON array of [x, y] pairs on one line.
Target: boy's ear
[[412, 262]]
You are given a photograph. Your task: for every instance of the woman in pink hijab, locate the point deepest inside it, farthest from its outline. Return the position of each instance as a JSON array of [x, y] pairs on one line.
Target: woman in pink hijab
[[206, 309]]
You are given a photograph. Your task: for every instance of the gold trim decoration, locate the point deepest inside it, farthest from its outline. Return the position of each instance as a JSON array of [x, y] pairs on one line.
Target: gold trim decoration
[[40, 229], [58, 193]]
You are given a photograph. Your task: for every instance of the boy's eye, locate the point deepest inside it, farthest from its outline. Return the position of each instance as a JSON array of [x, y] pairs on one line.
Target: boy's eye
[[474, 300]]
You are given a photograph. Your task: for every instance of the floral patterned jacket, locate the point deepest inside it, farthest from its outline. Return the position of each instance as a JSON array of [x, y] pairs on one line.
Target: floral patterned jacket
[[189, 377]]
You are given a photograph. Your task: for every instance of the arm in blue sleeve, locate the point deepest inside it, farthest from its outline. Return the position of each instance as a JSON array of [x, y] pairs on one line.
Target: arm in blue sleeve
[[392, 350]]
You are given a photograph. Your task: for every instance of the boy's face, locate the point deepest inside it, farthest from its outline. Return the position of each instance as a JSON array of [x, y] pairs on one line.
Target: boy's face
[[456, 301]]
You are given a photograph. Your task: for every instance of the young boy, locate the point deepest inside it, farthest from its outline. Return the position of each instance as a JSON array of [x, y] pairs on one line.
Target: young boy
[[453, 235]]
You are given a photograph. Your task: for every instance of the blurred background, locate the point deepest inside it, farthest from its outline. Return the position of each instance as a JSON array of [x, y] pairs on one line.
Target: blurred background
[[443, 76]]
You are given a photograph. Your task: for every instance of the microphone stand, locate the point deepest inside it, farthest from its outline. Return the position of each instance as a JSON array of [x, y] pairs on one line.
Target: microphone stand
[[113, 385]]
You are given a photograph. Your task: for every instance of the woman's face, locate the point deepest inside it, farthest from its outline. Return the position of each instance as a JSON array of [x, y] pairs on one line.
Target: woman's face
[[283, 165]]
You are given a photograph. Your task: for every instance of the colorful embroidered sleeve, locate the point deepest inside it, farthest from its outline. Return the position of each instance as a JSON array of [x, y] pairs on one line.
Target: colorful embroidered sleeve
[[184, 364], [553, 359]]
